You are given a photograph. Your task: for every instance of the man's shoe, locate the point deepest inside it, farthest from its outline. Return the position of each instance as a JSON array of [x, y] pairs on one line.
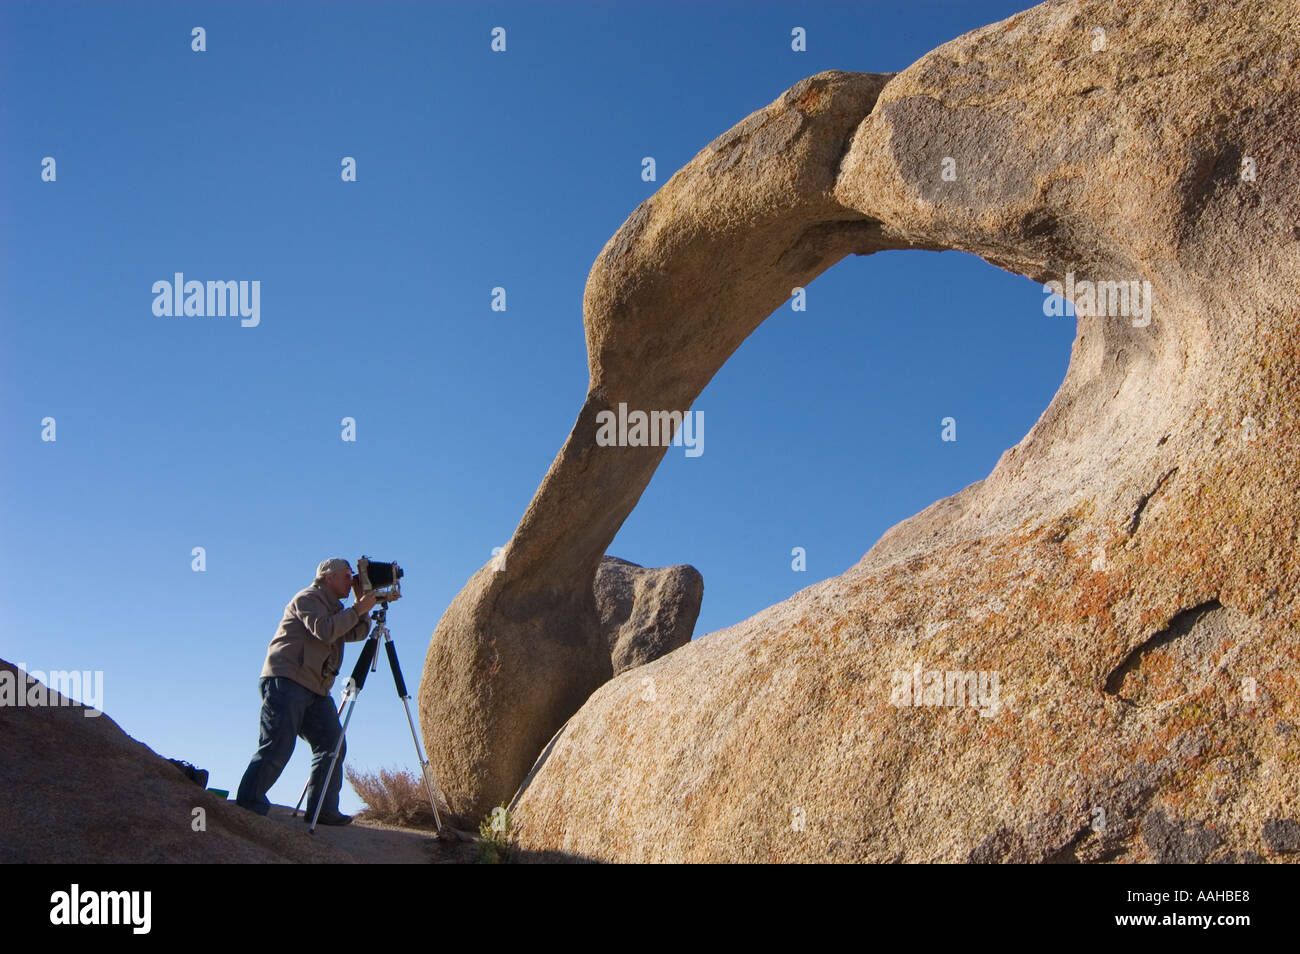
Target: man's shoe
[[333, 818]]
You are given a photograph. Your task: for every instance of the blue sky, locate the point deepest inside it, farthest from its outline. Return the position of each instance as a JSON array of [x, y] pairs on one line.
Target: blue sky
[[474, 170]]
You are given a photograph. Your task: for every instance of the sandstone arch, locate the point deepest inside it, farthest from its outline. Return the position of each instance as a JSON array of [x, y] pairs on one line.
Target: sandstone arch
[[1120, 166]]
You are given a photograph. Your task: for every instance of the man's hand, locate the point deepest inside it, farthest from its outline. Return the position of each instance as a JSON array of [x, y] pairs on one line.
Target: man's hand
[[363, 605]]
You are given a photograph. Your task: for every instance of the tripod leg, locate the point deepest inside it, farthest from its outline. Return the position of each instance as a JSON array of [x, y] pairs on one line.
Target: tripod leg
[[425, 770], [307, 784], [354, 686], [320, 796]]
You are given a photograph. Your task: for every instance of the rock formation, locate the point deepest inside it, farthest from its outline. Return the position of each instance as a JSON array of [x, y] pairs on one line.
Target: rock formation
[[645, 613], [498, 681], [77, 789], [1128, 572]]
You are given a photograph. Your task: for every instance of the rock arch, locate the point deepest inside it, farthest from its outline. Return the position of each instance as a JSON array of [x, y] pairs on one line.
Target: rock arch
[[1113, 167]]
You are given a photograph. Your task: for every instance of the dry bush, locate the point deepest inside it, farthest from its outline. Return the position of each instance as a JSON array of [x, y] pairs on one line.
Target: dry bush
[[395, 797]]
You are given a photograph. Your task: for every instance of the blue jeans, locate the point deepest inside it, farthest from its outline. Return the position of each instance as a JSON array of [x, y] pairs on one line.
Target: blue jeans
[[289, 711]]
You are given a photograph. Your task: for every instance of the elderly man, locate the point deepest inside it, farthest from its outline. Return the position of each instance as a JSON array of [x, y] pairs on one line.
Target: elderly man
[[304, 657]]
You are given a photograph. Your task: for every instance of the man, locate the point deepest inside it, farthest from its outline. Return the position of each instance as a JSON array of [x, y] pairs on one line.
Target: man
[[305, 655]]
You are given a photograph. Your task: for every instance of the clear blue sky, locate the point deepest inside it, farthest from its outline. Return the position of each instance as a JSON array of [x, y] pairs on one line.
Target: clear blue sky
[[475, 169]]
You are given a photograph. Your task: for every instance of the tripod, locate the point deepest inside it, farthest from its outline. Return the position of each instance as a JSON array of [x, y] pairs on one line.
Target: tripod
[[368, 663]]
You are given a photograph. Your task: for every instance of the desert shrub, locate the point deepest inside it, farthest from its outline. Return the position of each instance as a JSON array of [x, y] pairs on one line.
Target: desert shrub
[[494, 838], [395, 797]]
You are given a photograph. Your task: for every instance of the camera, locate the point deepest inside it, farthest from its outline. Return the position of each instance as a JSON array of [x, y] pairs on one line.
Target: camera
[[378, 578]]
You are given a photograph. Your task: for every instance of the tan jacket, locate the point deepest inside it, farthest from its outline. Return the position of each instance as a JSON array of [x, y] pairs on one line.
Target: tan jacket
[[308, 646]]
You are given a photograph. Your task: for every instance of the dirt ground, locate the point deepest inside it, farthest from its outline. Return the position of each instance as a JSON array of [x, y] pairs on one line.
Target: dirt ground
[[373, 842]]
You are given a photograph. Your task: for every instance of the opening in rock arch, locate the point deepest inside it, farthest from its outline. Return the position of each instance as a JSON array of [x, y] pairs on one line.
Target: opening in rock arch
[[824, 429]]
